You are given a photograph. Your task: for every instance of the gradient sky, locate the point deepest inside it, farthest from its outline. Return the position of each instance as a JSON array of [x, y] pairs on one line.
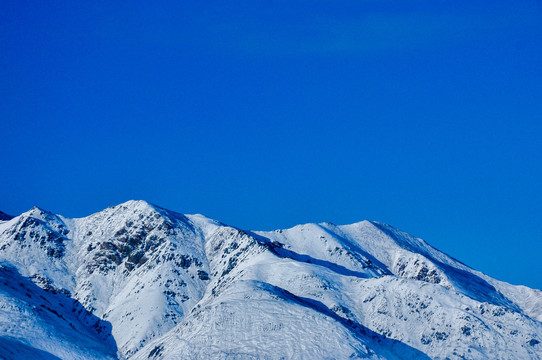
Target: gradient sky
[[426, 115]]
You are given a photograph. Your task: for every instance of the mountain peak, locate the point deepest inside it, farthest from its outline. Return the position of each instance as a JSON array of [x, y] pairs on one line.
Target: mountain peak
[[38, 213], [136, 204]]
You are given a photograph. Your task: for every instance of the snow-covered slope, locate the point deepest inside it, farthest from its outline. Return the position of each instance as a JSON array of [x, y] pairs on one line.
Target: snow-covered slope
[[136, 281]]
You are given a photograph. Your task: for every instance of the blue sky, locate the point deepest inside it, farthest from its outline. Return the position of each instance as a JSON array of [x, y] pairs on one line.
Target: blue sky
[[423, 114]]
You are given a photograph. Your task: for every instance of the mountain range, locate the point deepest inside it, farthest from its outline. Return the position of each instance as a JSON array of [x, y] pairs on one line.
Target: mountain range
[[137, 281]]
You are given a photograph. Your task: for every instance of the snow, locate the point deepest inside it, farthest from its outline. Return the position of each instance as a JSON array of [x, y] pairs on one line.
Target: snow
[[147, 282]]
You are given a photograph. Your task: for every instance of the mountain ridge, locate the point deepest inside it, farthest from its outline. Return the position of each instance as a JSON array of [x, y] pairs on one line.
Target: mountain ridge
[[164, 285]]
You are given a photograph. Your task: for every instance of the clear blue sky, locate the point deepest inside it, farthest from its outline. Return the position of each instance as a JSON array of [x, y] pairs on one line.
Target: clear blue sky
[[264, 114]]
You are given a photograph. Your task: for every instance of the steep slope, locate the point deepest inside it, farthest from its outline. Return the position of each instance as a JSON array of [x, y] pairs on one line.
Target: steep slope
[[34, 315], [139, 267], [146, 282]]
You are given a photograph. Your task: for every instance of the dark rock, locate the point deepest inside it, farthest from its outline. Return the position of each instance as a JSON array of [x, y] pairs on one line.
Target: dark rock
[[203, 275], [533, 342]]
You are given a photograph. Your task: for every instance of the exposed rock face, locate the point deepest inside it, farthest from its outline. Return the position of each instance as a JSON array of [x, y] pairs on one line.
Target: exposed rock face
[[138, 281]]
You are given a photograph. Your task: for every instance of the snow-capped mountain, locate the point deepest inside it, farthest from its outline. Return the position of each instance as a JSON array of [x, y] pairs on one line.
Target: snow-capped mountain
[[137, 281]]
